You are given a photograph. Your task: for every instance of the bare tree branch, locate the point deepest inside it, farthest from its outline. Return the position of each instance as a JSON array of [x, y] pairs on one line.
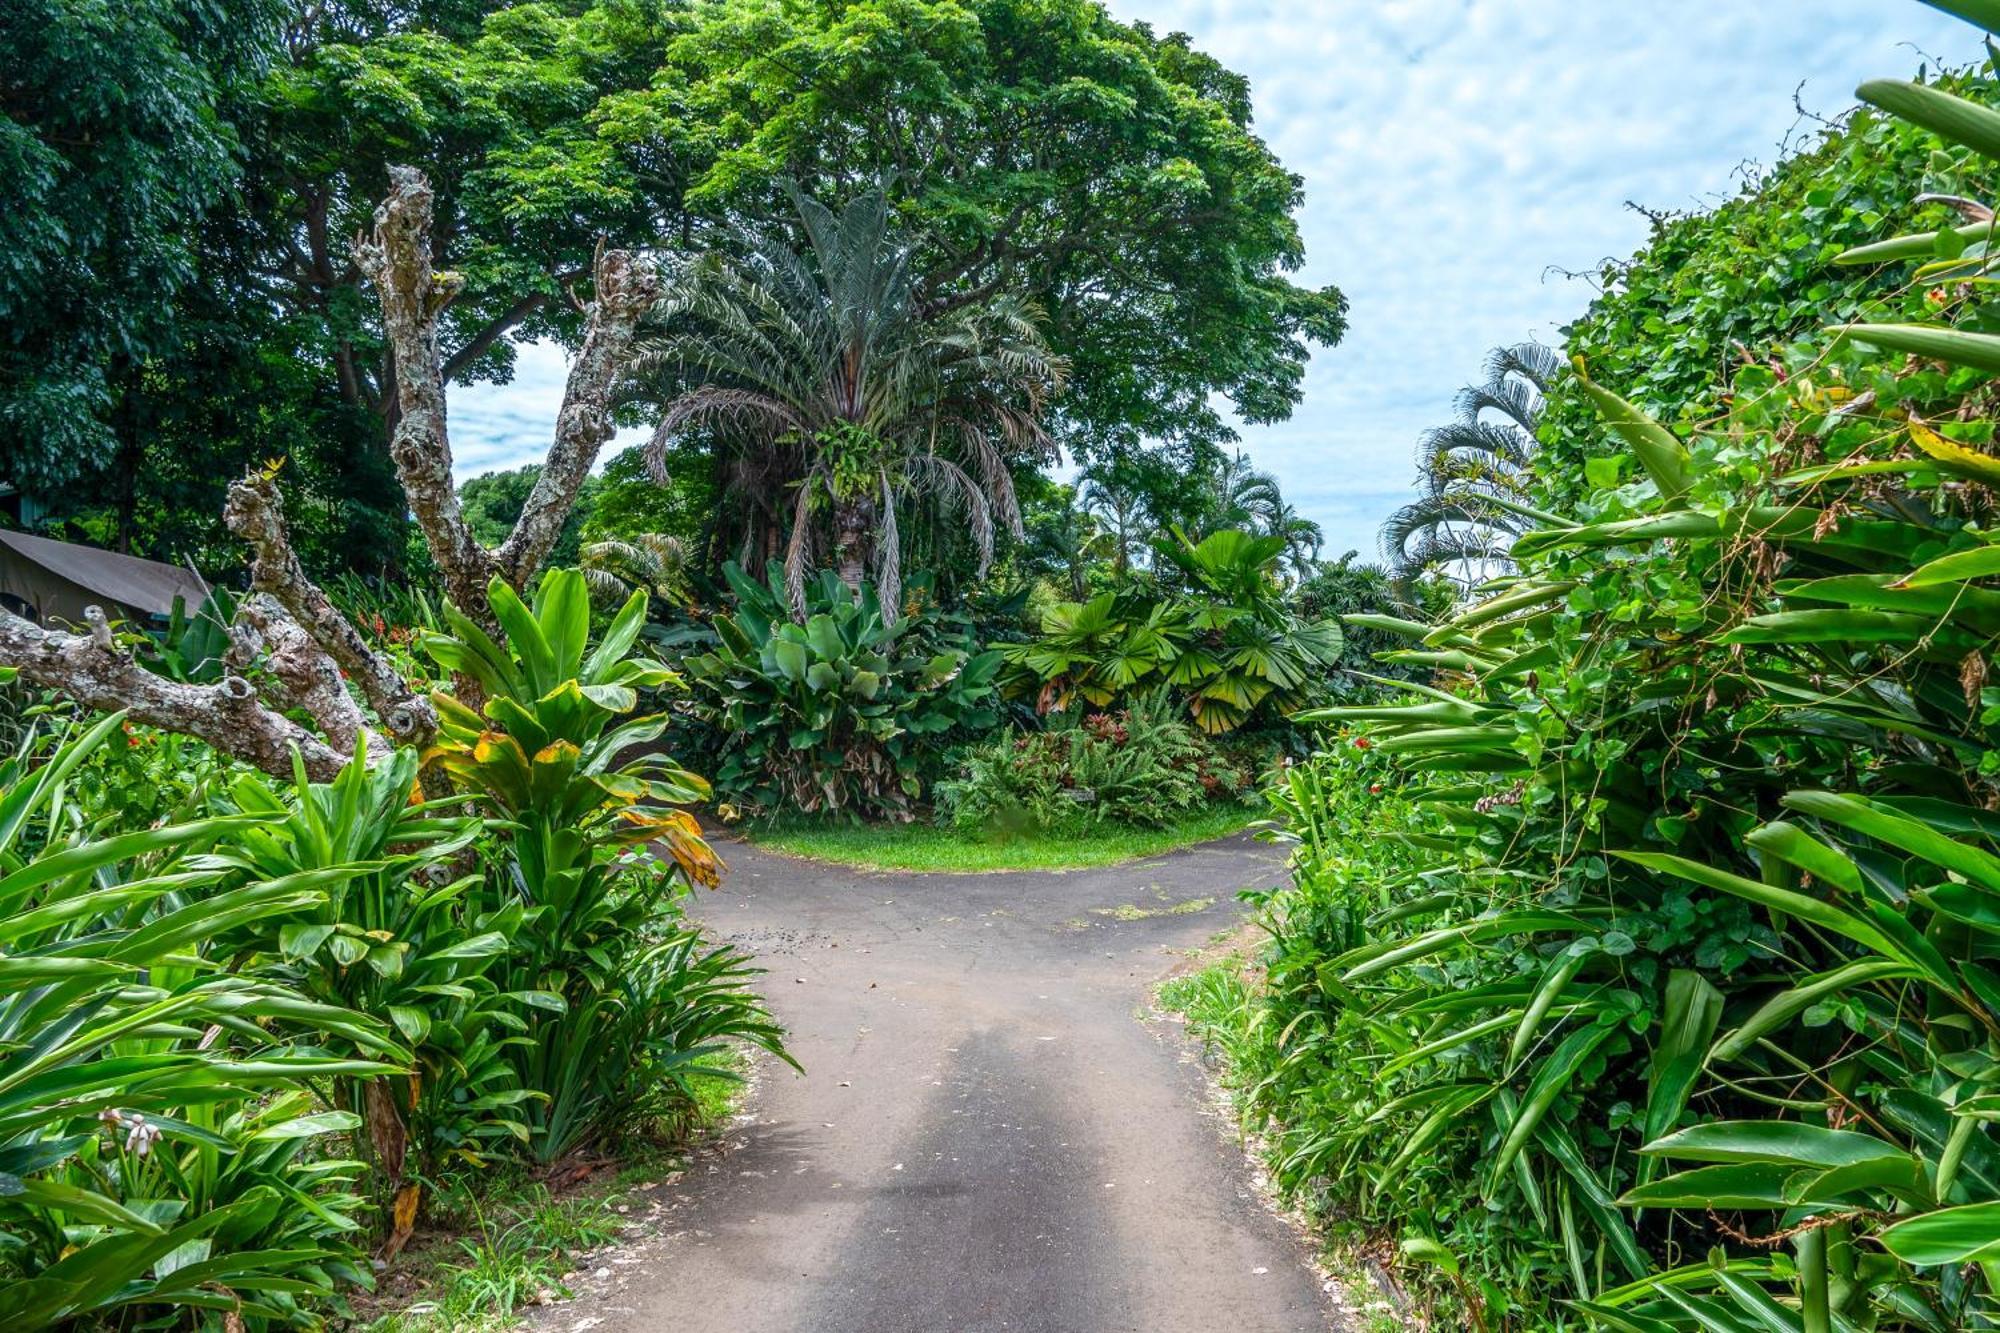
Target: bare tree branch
[[302, 675], [255, 513], [306, 649], [627, 287], [397, 259], [503, 324], [227, 715]]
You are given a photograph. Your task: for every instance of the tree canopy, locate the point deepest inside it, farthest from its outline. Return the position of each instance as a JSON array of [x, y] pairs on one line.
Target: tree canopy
[[117, 132], [1099, 172], [1106, 173]]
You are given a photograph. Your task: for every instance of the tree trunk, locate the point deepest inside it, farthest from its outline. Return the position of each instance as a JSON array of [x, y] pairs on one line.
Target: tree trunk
[[853, 537], [293, 651]]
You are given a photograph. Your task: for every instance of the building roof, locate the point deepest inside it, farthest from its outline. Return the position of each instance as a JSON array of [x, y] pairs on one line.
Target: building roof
[[136, 584]]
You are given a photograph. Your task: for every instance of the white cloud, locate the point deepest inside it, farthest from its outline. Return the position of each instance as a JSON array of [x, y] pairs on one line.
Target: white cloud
[[497, 426], [1454, 150]]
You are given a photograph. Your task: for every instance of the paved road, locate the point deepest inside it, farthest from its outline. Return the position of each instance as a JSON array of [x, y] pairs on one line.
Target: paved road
[[986, 1139]]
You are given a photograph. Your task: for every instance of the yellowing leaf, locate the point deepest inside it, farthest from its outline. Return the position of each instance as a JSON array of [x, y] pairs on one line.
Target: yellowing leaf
[[1956, 457]]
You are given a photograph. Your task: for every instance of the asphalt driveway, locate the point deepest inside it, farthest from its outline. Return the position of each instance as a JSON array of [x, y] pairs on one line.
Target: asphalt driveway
[[987, 1136]]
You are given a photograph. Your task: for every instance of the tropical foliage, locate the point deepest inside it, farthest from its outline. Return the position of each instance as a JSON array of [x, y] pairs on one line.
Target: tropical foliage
[[1637, 968], [1142, 765], [162, 1145], [843, 714], [1228, 644], [242, 1041], [617, 1016]]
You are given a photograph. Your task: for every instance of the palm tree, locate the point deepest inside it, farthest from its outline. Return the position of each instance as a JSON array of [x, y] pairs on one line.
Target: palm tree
[[1238, 495], [829, 376], [615, 567], [1303, 538], [1121, 507], [1065, 536], [1475, 473]]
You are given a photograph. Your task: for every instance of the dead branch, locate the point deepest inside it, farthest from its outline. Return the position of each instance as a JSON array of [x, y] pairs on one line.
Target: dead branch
[[302, 675], [307, 649], [627, 287], [397, 259], [227, 715], [255, 513]]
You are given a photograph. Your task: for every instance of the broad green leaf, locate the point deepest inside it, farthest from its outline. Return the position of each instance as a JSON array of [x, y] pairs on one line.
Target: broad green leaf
[[1933, 342], [1959, 567], [1784, 1142], [1664, 457], [1947, 115], [1693, 1008], [1968, 1234]]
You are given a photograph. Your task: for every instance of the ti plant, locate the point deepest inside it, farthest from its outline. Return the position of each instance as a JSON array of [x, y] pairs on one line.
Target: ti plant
[[621, 996]]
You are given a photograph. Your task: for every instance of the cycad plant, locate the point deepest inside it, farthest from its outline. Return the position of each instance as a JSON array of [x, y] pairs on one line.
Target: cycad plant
[[1475, 474], [829, 375]]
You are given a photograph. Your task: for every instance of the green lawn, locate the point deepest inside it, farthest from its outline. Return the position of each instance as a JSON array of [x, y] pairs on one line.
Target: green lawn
[[927, 847]]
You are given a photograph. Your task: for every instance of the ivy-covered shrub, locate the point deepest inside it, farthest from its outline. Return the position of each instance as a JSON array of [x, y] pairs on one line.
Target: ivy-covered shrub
[[1138, 765], [1639, 969], [847, 713], [1715, 291]]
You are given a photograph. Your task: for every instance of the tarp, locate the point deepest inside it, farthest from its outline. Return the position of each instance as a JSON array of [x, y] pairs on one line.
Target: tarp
[[52, 581]]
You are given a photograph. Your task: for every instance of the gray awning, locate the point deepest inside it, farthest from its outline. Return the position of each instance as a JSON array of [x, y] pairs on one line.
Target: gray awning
[[55, 580]]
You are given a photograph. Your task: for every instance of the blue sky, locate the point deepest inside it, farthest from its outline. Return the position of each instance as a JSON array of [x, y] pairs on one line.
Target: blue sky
[[1455, 153]]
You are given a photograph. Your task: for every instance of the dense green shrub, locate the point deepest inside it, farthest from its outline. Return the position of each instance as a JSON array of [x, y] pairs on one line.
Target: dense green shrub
[[160, 1146], [1641, 967], [847, 713], [1139, 765], [1226, 640], [1715, 291], [236, 1045]]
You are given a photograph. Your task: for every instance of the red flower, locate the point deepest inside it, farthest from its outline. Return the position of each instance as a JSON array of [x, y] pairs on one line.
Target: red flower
[[1374, 788], [1362, 742]]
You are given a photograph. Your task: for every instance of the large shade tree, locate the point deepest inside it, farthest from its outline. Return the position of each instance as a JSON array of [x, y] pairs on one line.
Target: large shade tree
[[539, 127], [118, 130], [1040, 147], [1105, 173], [842, 397]]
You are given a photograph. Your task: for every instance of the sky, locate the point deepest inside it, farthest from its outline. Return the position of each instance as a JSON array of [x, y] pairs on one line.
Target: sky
[[1457, 155]]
